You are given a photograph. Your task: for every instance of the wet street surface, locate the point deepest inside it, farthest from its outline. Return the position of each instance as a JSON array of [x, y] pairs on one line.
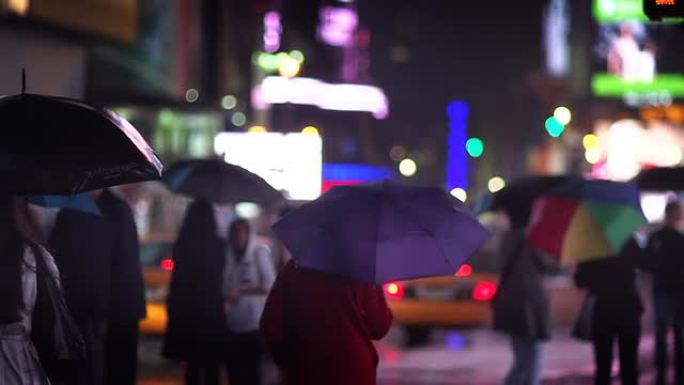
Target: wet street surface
[[450, 357]]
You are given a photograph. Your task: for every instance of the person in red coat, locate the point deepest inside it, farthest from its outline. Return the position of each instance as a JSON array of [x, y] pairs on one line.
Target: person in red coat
[[319, 327]]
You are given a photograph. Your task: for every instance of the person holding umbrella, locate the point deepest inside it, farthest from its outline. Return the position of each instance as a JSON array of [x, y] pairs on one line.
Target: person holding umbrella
[[19, 255], [320, 327], [327, 305], [248, 275], [38, 157], [196, 329]]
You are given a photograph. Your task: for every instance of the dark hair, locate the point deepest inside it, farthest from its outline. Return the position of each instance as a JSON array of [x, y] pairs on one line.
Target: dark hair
[[199, 223], [672, 208], [238, 222], [15, 224]]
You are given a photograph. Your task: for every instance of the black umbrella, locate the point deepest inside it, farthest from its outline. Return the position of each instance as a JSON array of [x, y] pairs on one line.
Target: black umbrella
[[54, 145], [517, 197], [219, 182], [661, 179]]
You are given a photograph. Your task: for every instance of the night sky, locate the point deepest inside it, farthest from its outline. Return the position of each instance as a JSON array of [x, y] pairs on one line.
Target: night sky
[[458, 50]]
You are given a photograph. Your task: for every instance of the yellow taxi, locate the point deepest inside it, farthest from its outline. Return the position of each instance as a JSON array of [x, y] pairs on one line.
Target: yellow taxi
[[461, 300], [155, 255]]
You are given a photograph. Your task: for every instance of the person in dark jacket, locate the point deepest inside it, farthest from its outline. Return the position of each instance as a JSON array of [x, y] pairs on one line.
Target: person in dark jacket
[[127, 304], [196, 328], [521, 307], [665, 260], [319, 327], [616, 312], [83, 246]]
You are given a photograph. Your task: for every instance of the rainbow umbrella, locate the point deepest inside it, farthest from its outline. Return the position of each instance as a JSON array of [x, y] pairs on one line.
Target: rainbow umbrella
[[583, 220]]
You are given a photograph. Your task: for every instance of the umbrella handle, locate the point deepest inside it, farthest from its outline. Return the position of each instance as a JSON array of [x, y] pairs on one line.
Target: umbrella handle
[[23, 80]]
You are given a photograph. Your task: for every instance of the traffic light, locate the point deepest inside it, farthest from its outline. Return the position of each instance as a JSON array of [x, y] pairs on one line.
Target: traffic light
[[662, 9]]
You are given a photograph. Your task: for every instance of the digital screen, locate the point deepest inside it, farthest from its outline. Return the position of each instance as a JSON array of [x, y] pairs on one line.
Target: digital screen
[[659, 9], [634, 59], [291, 163]]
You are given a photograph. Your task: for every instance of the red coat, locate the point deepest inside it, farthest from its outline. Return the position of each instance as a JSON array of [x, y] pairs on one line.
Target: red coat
[[319, 327]]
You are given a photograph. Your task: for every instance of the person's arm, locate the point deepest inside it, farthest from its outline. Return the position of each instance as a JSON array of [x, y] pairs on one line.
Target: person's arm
[[377, 314]]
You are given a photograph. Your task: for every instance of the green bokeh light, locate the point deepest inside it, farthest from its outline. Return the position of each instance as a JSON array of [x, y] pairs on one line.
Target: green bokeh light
[[554, 127], [475, 147]]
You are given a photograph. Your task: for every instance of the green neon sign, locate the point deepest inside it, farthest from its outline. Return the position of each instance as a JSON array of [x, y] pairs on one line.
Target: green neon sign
[[608, 85], [618, 11]]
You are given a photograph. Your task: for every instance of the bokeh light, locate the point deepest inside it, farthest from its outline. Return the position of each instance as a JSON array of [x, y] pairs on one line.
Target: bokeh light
[[191, 95], [554, 127], [238, 119], [229, 102], [257, 129], [563, 115], [459, 194], [592, 155], [496, 183], [297, 55], [590, 141], [310, 130], [267, 62], [289, 67], [475, 147], [408, 167]]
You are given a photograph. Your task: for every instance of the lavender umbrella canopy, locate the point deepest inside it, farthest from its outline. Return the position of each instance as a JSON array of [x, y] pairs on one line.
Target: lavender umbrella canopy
[[382, 232]]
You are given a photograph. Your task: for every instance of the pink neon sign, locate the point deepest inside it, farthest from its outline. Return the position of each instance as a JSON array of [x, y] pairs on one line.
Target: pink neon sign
[[337, 26], [272, 30], [308, 91]]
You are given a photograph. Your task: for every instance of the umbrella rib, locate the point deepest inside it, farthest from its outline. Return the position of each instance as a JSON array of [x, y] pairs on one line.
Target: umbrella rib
[[419, 224]]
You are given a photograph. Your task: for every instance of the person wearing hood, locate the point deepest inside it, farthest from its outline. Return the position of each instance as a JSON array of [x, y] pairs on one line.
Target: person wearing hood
[[248, 276], [196, 327]]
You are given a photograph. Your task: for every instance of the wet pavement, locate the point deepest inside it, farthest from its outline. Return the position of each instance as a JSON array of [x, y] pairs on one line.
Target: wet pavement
[[477, 357]]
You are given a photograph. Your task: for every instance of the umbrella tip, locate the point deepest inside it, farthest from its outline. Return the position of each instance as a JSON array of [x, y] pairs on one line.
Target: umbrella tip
[[23, 80]]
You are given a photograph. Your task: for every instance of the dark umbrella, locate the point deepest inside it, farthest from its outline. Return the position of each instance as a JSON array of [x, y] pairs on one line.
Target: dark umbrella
[[661, 179], [382, 232], [517, 197], [53, 145], [219, 182]]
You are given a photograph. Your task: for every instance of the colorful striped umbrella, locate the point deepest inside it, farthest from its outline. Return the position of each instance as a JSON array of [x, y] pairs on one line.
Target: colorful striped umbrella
[[583, 220]]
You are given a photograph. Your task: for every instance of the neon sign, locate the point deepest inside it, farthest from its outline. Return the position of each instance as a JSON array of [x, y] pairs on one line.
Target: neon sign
[[314, 92]]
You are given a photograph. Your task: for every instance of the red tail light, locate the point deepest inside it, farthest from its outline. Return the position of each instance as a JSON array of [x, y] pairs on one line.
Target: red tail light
[[167, 264], [464, 271], [484, 291], [394, 290]]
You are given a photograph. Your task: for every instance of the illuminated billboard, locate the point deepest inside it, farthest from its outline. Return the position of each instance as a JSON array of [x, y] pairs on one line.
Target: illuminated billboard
[[326, 96], [633, 59], [291, 163]]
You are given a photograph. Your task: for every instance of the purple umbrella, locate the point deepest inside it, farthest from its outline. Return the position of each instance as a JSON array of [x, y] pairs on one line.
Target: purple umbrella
[[382, 232]]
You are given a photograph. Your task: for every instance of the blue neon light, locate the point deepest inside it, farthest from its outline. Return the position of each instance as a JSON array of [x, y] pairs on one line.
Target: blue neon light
[[356, 172], [457, 157]]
